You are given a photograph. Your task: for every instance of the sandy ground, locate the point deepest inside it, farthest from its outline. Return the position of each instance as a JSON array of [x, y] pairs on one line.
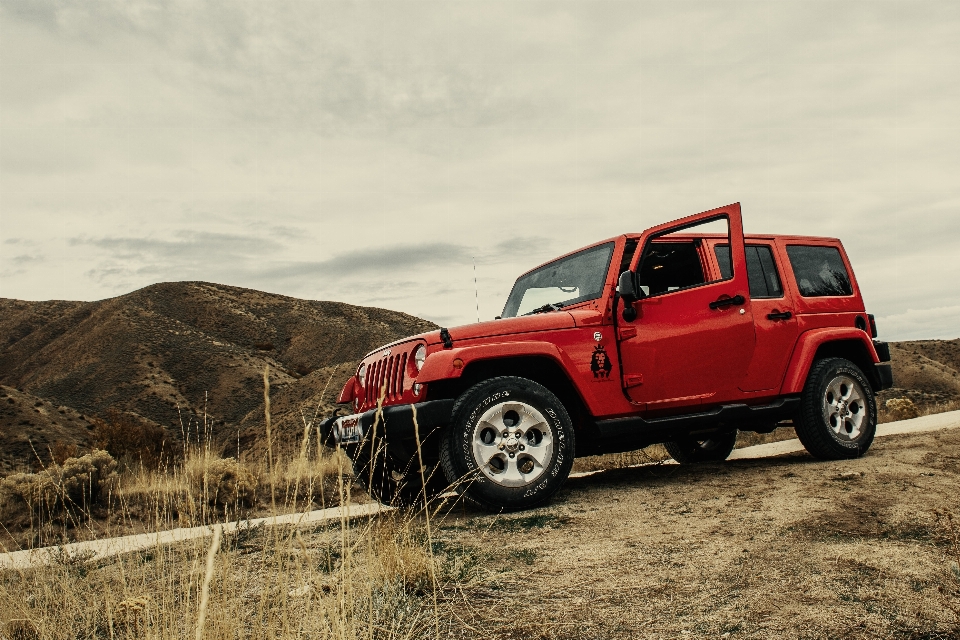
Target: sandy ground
[[755, 548]]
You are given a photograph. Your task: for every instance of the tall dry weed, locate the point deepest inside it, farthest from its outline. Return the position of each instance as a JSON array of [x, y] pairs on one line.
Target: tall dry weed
[[346, 579]]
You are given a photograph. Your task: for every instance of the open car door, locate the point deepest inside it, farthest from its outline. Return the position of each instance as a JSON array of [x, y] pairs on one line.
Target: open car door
[[692, 338]]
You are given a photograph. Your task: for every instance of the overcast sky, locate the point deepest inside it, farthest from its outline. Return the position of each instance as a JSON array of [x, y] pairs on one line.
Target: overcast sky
[[371, 152]]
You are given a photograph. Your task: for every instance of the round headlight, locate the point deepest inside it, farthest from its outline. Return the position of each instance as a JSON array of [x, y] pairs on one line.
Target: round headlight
[[362, 374], [420, 356]]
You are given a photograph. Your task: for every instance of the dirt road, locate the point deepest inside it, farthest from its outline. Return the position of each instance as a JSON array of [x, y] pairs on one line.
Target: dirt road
[[788, 547]]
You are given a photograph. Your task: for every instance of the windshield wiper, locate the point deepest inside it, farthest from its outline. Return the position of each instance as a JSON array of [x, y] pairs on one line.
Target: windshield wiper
[[556, 306]]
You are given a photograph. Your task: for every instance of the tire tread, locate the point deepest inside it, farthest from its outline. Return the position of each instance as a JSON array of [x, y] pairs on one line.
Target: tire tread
[[810, 429], [447, 447]]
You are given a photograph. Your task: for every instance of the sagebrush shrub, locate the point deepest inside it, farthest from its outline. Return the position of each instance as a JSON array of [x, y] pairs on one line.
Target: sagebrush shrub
[[223, 481], [82, 481], [901, 409]]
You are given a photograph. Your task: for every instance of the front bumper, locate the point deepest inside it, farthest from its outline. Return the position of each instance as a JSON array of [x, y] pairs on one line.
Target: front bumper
[[395, 425]]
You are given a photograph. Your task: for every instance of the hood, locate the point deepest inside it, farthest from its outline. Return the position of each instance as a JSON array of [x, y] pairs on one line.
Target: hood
[[493, 328], [508, 326]]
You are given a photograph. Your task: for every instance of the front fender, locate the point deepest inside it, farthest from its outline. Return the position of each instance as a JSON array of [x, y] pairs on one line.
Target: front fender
[[440, 364], [349, 392], [806, 349]]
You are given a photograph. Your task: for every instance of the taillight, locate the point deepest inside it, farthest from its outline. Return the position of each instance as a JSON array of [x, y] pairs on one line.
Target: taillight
[[873, 325]]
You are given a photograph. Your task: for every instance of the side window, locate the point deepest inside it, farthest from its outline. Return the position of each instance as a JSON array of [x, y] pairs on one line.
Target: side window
[[761, 269], [819, 271], [668, 266]]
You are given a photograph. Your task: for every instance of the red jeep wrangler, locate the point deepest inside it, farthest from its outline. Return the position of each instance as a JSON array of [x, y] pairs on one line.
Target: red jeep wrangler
[[681, 335]]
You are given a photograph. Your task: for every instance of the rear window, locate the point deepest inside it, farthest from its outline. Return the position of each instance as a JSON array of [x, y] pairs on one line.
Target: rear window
[[819, 271], [761, 270]]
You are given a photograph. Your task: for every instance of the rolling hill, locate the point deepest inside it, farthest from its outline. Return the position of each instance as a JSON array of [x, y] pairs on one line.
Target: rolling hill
[[181, 353]]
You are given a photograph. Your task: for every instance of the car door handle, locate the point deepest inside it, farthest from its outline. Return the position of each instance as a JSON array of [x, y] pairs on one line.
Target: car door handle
[[726, 302], [779, 315]]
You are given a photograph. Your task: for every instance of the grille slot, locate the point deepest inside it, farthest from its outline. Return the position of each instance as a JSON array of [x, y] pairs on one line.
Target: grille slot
[[387, 376], [398, 380]]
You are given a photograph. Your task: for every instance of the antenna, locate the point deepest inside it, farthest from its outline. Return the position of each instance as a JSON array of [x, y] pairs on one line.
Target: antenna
[[476, 289]]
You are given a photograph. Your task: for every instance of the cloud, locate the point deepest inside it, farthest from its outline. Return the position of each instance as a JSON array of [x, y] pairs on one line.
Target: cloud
[[26, 259], [405, 258], [349, 149], [389, 259], [188, 245], [921, 324]]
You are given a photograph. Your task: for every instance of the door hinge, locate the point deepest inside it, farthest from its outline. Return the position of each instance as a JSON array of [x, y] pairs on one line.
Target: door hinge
[[626, 333], [633, 380]]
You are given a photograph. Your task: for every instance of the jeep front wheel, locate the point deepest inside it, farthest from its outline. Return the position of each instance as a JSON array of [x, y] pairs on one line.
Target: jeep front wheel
[[838, 412], [510, 444], [716, 448]]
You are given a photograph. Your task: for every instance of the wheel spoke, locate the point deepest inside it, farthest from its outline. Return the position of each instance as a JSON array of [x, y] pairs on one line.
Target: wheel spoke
[[511, 475], [540, 453], [485, 452], [486, 424], [836, 392]]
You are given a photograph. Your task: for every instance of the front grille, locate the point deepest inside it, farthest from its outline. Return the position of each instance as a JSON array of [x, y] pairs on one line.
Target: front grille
[[385, 377]]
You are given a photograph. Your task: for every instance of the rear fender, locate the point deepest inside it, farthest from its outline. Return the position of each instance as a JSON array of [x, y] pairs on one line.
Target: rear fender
[[851, 342]]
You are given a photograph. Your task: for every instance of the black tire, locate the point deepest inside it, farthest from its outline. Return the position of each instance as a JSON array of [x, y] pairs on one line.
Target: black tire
[[838, 411], [390, 482], [716, 448], [526, 467]]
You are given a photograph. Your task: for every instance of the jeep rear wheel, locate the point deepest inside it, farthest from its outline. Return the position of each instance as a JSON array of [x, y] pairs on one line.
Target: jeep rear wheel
[[716, 448], [510, 444], [838, 412]]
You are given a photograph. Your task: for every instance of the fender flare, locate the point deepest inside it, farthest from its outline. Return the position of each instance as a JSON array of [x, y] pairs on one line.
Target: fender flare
[[806, 349], [349, 391], [439, 365]]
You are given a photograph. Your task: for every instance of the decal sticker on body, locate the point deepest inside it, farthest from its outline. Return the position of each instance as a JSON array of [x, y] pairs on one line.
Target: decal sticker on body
[[600, 364]]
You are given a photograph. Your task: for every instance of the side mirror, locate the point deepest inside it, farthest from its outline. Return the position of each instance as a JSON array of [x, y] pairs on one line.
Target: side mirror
[[627, 286]]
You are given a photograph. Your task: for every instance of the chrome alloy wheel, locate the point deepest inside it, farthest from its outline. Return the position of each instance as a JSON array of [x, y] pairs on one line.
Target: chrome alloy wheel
[[845, 407], [512, 443]]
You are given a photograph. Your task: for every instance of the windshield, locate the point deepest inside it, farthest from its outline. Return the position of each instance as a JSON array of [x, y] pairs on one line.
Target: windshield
[[573, 279]]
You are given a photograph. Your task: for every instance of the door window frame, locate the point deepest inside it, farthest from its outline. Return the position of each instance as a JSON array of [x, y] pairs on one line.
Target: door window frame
[[705, 261]]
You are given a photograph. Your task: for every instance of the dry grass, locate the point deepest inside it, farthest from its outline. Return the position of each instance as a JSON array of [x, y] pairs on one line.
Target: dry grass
[[375, 580], [389, 577], [73, 501], [371, 581]]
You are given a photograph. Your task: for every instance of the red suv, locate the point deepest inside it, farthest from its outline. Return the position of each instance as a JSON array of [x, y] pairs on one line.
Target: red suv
[[682, 335]]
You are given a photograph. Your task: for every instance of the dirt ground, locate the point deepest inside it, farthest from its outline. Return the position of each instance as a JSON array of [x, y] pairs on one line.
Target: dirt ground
[[787, 547]]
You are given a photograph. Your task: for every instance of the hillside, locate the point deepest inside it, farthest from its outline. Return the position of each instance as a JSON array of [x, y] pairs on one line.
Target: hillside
[[173, 353], [927, 372], [32, 427]]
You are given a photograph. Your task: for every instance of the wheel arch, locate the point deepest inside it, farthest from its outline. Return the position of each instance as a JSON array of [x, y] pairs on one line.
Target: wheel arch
[[541, 369], [851, 344]]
